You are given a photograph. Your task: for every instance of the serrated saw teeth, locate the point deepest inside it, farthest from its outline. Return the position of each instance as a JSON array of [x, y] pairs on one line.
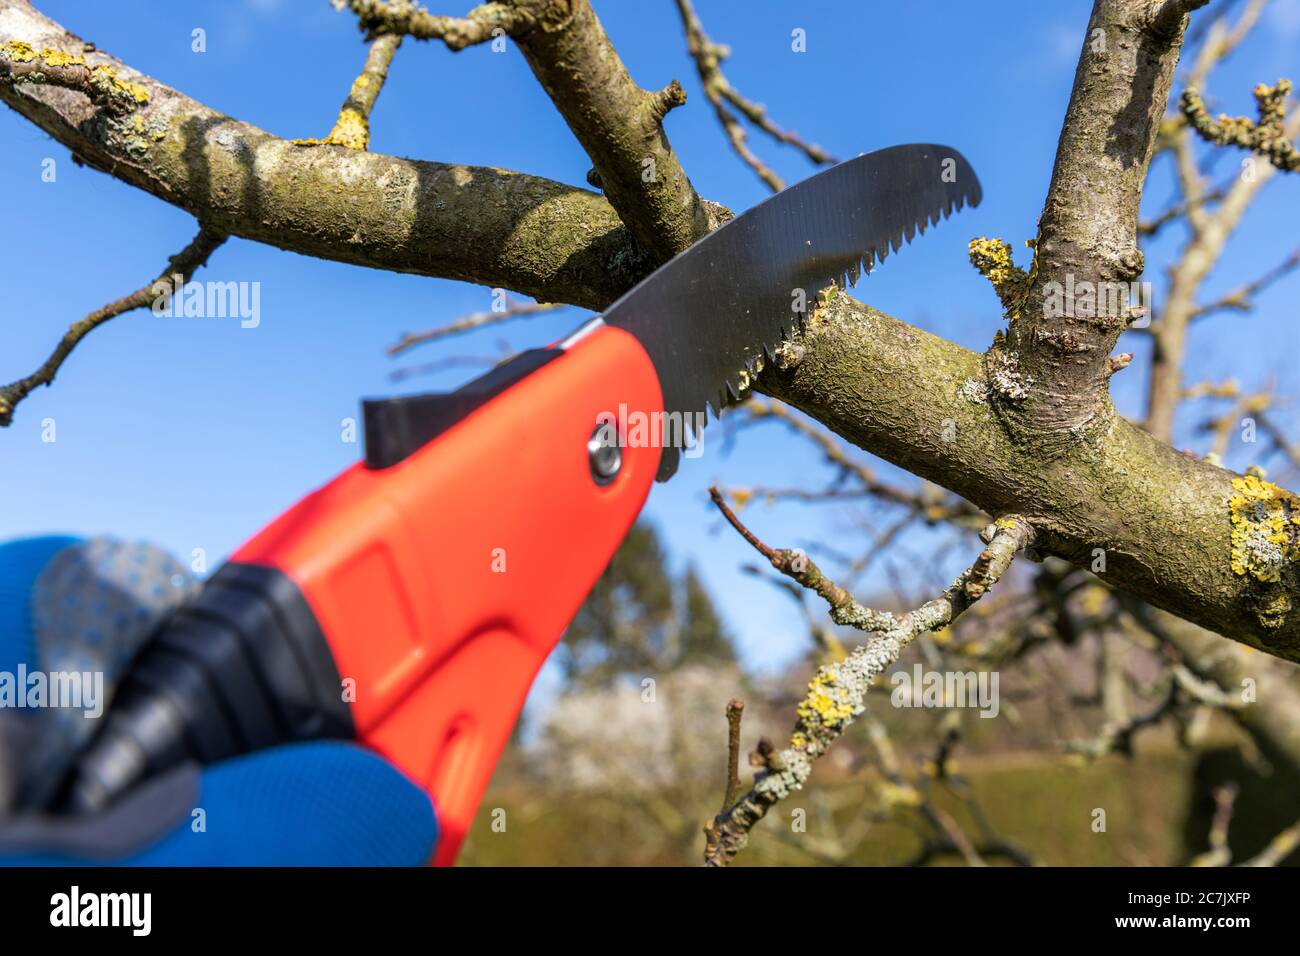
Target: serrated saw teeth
[[714, 309]]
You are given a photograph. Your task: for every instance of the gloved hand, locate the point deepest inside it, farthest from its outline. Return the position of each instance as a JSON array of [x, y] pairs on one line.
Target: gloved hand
[[71, 606]]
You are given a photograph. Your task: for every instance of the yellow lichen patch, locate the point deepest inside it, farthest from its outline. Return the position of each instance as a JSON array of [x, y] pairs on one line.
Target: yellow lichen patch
[[827, 702], [17, 51], [1265, 528], [106, 79], [53, 57], [20, 51], [1274, 608], [1094, 599], [992, 257], [351, 131], [103, 78]]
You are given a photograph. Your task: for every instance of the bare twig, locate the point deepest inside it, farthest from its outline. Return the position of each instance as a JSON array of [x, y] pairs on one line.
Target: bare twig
[[1219, 853], [183, 264], [440, 365], [1176, 211], [708, 58], [1221, 41], [946, 835], [1118, 737], [1278, 849], [475, 320], [1280, 441], [1209, 234], [1241, 299], [735, 712], [837, 454]]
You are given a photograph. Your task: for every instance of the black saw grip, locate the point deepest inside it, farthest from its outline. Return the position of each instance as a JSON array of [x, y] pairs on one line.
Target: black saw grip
[[245, 666]]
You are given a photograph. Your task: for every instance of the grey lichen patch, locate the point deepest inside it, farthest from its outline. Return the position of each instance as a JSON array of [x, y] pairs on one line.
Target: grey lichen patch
[[137, 132], [973, 390], [834, 699], [1005, 375]]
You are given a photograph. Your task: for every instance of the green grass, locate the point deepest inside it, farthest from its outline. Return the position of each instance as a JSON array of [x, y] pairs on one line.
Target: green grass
[[1039, 802]]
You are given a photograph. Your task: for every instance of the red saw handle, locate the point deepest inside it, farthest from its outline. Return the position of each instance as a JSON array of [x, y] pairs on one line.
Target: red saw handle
[[442, 582]]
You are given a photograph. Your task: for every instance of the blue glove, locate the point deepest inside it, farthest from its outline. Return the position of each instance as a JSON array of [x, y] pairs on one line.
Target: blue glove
[[86, 607]]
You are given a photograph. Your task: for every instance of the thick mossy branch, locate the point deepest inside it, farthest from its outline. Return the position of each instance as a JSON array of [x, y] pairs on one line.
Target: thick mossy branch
[[619, 124], [1266, 136], [1162, 519], [548, 240]]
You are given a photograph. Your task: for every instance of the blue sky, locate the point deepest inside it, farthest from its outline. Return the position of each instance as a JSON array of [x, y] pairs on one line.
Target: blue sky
[[194, 433]]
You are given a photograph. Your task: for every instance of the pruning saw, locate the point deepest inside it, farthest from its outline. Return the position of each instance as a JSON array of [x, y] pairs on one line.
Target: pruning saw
[[409, 603]]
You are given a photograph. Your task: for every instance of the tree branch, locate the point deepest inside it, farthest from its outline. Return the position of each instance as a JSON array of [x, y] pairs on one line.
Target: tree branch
[[1166, 17], [475, 320], [619, 125], [545, 239], [1266, 136], [1163, 520], [708, 57], [184, 264], [1055, 359], [397, 17], [1242, 298], [1210, 232], [835, 695]]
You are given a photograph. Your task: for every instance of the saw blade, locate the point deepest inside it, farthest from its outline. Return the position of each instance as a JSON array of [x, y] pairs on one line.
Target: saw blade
[[709, 316]]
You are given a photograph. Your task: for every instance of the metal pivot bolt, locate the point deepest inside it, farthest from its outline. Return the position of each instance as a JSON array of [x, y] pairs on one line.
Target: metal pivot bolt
[[604, 453]]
